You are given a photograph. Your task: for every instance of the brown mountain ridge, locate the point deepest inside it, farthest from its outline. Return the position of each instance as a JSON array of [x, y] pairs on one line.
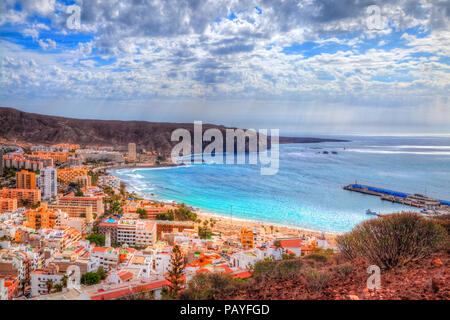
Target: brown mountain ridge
[[16, 125]]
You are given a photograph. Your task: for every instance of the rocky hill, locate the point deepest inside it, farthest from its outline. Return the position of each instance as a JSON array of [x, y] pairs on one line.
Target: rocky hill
[[17, 125]]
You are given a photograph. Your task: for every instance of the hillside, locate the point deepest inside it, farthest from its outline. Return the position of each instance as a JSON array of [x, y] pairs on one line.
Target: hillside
[[17, 125]]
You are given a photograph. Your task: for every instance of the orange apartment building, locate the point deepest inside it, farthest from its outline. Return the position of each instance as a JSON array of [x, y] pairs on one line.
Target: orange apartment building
[[8, 204], [247, 237], [67, 176], [152, 209], [33, 196], [57, 156], [75, 211], [41, 218], [25, 180], [95, 202]]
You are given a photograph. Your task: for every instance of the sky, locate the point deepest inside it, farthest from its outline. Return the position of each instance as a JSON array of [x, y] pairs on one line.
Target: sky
[[303, 66]]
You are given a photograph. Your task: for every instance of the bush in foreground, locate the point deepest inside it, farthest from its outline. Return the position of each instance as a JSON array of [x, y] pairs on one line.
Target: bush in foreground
[[276, 269], [209, 286], [393, 240]]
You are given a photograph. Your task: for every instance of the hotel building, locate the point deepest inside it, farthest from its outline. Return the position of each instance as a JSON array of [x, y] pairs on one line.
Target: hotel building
[[75, 211], [136, 232], [95, 202]]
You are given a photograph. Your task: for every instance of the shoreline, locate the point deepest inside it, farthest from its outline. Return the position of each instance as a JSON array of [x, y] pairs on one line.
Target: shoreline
[[227, 224]]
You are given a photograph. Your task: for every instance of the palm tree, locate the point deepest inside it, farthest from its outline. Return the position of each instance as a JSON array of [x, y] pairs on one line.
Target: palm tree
[[49, 285], [64, 280]]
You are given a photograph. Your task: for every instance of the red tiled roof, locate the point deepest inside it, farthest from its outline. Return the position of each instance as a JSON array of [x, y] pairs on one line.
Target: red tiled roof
[[125, 275], [291, 243], [125, 290], [242, 275]]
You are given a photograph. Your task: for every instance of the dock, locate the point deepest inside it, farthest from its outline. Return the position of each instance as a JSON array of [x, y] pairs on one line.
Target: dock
[[427, 204]]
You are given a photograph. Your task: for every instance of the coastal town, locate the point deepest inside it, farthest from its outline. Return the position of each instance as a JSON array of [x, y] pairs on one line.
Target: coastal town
[[71, 231]]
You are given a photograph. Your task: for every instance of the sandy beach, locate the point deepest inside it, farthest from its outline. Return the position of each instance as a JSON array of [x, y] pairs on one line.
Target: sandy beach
[[230, 226]]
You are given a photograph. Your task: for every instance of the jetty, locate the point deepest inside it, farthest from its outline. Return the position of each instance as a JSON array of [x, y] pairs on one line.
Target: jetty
[[427, 204]]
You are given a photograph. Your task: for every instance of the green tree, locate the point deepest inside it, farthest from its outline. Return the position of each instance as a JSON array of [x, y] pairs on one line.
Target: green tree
[[204, 233], [102, 273], [142, 213], [79, 193], [64, 280], [176, 273], [96, 238], [49, 284], [90, 278], [58, 287]]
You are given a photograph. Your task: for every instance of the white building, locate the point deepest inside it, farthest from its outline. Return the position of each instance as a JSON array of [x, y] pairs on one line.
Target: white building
[[108, 258], [160, 260], [98, 155], [245, 259], [39, 279], [111, 181], [48, 183], [136, 233]]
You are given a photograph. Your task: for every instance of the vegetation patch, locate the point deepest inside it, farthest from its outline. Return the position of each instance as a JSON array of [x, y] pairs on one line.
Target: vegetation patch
[[393, 240]]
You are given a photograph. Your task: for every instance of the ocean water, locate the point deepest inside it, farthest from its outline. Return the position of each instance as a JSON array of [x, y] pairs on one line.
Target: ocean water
[[307, 190]]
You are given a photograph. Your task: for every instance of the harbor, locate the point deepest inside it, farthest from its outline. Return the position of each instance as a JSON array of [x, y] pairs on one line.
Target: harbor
[[427, 204]]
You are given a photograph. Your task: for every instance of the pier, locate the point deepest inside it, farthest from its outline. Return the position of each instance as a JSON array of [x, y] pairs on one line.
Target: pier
[[429, 205]]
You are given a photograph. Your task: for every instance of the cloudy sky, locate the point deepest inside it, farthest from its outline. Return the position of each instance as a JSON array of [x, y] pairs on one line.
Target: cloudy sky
[[304, 66]]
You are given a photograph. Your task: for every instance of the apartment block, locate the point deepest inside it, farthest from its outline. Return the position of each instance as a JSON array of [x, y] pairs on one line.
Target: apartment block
[[111, 181], [32, 196], [83, 181], [56, 156], [39, 279], [136, 232], [67, 176], [41, 218], [26, 162], [109, 226], [95, 202], [48, 183], [247, 238], [75, 211], [108, 257], [8, 204], [25, 180], [66, 146]]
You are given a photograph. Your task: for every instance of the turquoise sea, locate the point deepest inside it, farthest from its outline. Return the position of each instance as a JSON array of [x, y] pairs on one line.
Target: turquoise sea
[[307, 191]]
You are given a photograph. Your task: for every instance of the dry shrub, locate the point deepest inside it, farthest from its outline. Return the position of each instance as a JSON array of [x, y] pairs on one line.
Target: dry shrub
[[316, 280], [280, 269], [393, 240]]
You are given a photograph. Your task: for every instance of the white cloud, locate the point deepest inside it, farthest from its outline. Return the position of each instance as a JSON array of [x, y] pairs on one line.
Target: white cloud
[[47, 44]]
